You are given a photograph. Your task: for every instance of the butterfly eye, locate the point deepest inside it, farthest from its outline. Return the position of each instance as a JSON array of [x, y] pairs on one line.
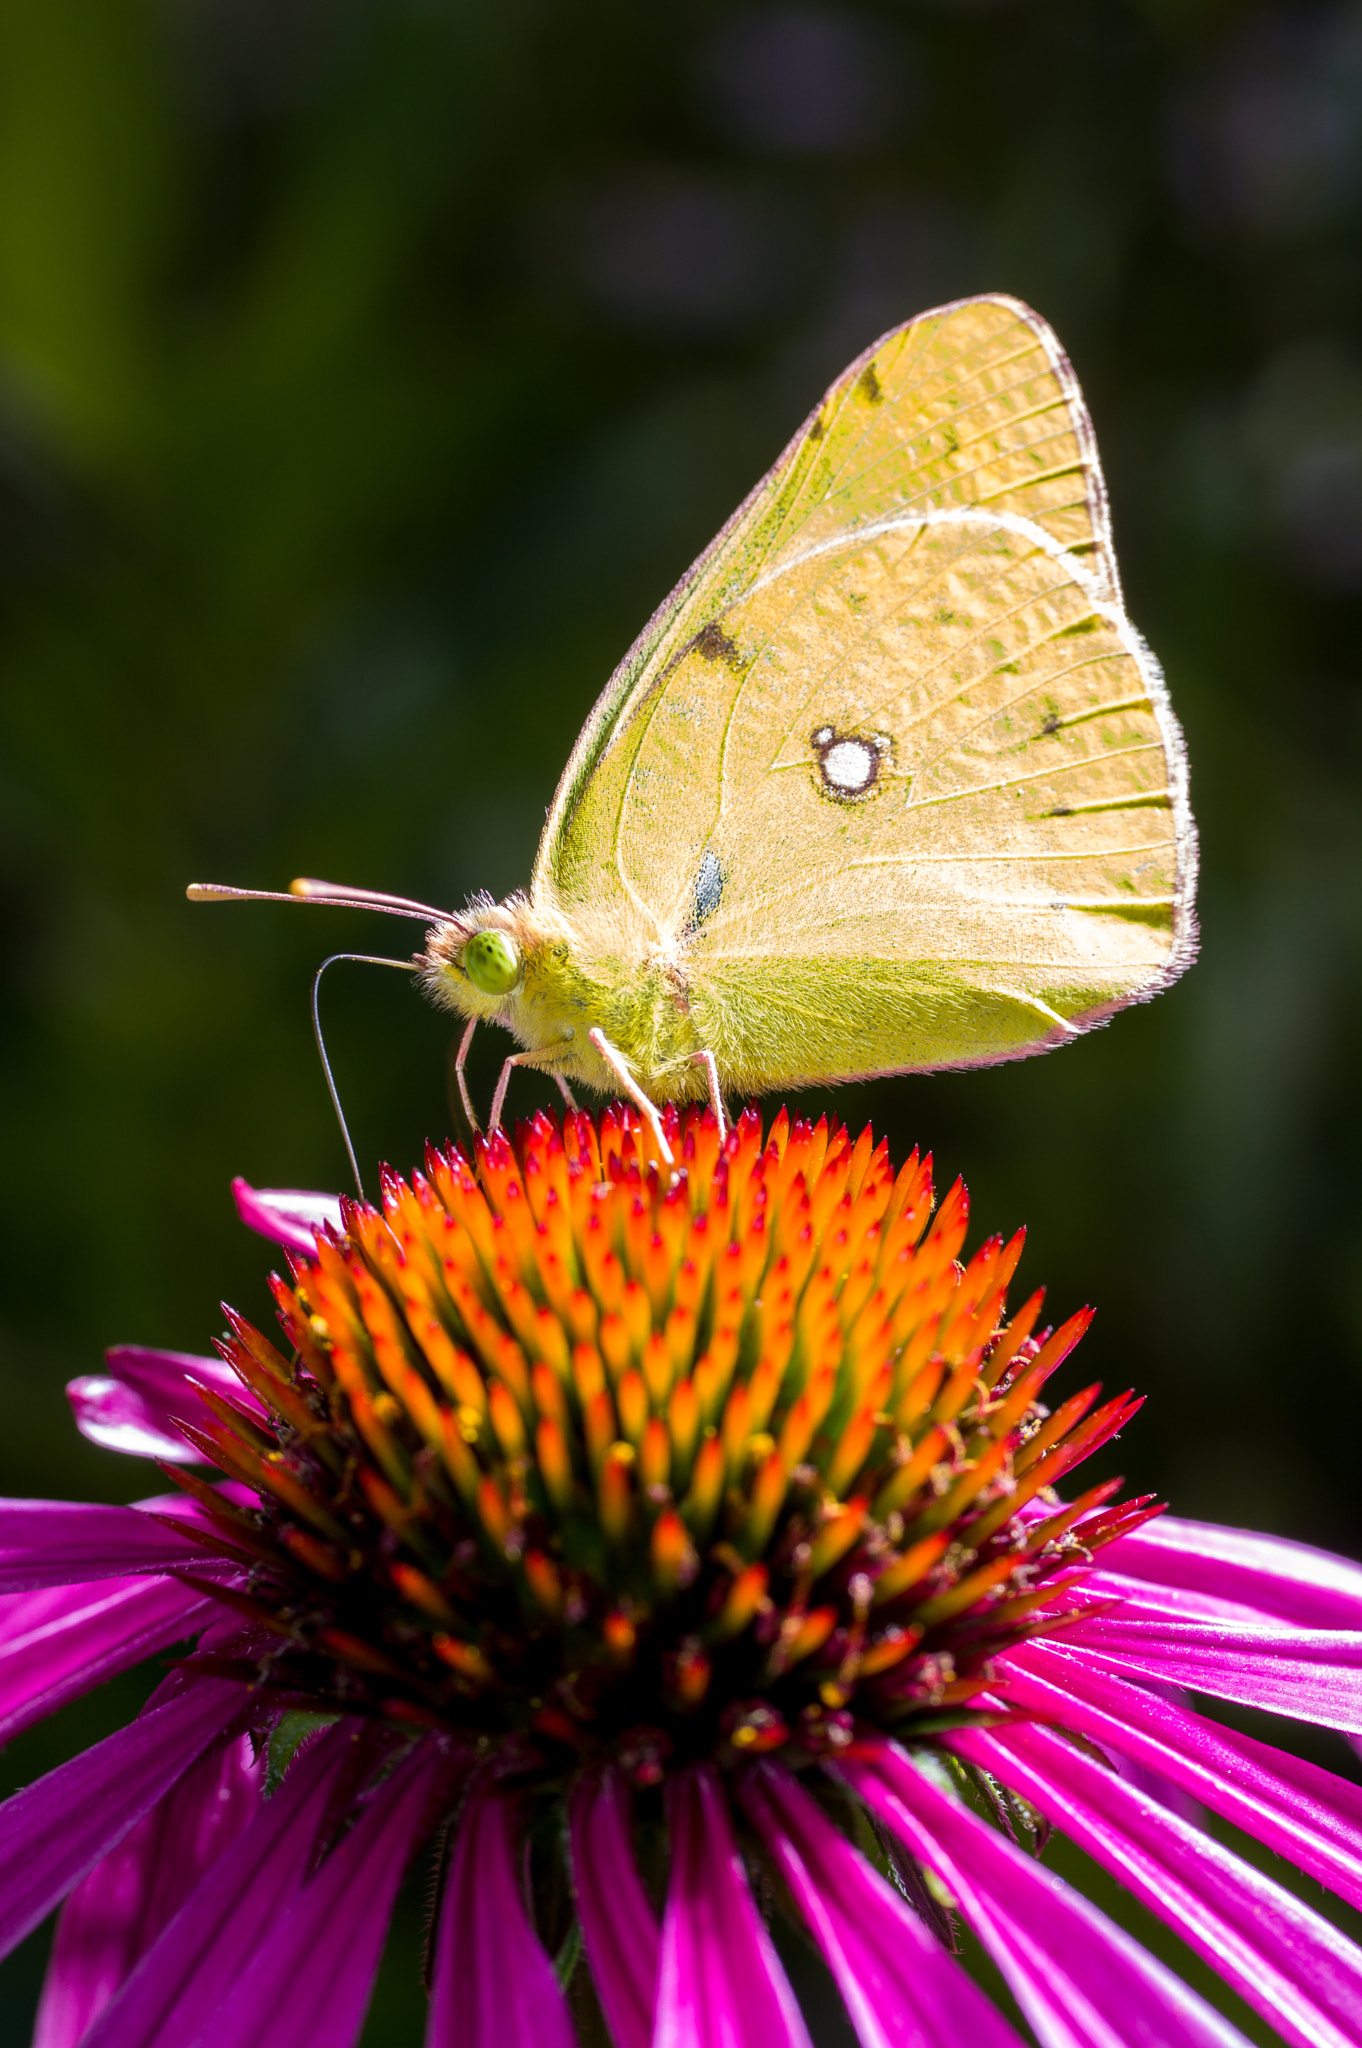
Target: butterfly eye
[[491, 961]]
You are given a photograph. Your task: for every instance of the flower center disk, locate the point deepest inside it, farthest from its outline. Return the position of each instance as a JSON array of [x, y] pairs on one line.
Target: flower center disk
[[584, 1458]]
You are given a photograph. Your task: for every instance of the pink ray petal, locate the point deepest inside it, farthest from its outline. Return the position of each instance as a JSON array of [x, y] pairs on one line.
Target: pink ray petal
[[182, 1977], [1311, 1674], [720, 1984], [1172, 1603], [494, 1985], [1292, 1581], [116, 1912], [1306, 1814], [1300, 1972], [1081, 1981], [619, 1926], [308, 1984], [289, 1216], [899, 1985], [133, 1408], [58, 1644], [64, 1542], [56, 1829]]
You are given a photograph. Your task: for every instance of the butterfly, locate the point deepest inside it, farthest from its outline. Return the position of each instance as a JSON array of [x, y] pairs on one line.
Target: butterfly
[[888, 783]]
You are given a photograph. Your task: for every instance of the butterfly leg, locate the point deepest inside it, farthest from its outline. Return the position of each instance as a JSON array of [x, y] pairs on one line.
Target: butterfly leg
[[566, 1093], [499, 1099], [716, 1100], [616, 1061], [460, 1059]]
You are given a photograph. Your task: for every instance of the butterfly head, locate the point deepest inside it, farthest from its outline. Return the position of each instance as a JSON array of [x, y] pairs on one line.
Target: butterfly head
[[497, 961]]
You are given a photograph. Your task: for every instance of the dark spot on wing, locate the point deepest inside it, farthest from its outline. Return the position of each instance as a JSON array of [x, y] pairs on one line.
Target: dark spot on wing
[[1158, 915], [1050, 723], [817, 429], [869, 386], [708, 887], [1139, 800], [715, 645]]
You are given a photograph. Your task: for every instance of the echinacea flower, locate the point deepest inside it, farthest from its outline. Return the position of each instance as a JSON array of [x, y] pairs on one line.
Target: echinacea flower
[[664, 1553]]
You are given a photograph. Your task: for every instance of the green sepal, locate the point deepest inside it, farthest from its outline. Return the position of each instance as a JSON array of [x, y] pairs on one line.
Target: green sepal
[[287, 1736]]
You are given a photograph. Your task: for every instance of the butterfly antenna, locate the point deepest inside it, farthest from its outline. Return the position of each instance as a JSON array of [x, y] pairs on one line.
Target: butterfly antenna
[[307, 890], [364, 960]]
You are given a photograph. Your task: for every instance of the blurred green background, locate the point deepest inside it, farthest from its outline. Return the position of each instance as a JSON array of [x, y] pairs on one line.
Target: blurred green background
[[368, 371]]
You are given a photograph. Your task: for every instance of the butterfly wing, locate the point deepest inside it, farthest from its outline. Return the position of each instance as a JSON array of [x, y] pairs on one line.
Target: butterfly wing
[[890, 769], [972, 404]]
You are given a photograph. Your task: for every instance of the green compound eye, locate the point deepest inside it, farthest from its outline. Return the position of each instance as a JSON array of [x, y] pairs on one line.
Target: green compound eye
[[492, 963]]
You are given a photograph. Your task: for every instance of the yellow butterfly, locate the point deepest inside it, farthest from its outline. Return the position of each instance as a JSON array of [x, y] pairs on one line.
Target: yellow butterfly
[[888, 783]]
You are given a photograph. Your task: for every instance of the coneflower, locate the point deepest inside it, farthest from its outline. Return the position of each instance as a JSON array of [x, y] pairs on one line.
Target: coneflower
[[659, 1552]]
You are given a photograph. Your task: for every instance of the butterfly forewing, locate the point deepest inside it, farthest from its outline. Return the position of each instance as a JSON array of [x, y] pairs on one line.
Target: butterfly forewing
[[972, 404]]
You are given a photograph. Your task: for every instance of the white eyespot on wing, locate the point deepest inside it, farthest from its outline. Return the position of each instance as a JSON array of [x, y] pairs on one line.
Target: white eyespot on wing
[[849, 767], [824, 736]]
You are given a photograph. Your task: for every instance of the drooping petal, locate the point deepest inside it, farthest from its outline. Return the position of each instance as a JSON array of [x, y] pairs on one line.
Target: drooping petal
[[62, 1542], [116, 1912], [1306, 1814], [134, 1407], [289, 1216], [1293, 1581], [182, 1977], [899, 1985], [1301, 1973], [308, 1984], [53, 1831], [494, 1986], [1311, 1674], [59, 1643], [1081, 1981], [619, 1926], [720, 1984]]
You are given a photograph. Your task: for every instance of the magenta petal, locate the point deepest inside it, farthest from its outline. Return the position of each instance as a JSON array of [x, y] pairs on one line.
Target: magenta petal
[[900, 1987], [1292, 1581], [290, 1216], [1301, 1973], [135, 1406], [720, 1984], [118, 1418], [57, 1644], [116, 1912], [1081, 1981], [61, 1542], [308, 1984], [1311, 1674], [1301, 1811], [494, 1986], [54, 1830], [619, 1926], [183, 1976], [1173, 1603]]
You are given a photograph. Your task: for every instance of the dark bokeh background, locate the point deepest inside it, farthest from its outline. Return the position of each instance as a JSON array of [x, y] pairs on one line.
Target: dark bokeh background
[[368, 371]]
